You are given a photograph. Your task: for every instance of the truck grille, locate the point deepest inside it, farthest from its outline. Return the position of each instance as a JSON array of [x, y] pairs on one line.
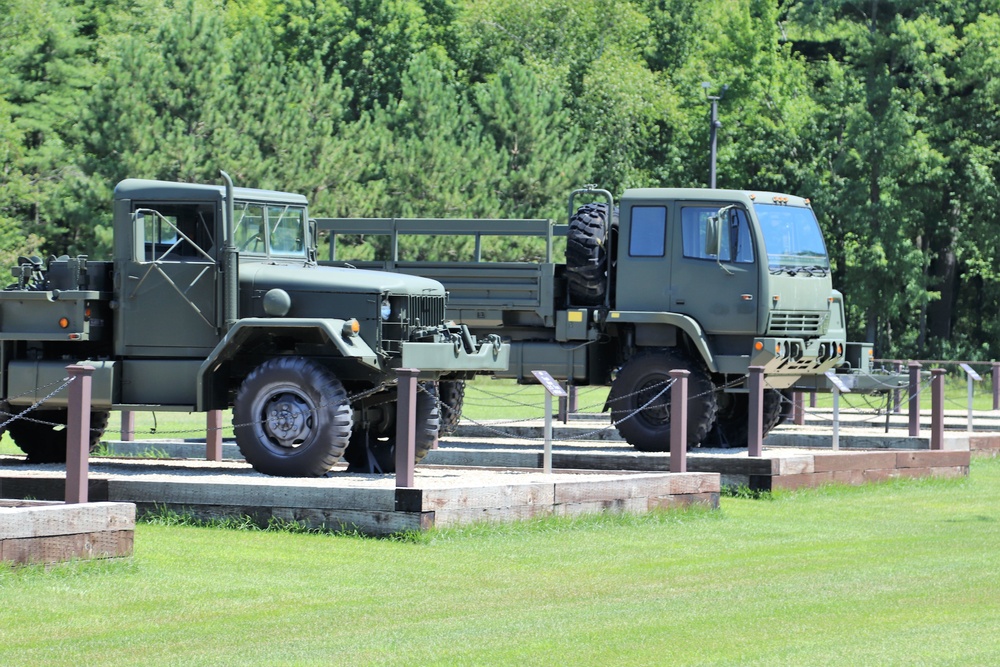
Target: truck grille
[[797, 324], [410, 312], [426, 310]]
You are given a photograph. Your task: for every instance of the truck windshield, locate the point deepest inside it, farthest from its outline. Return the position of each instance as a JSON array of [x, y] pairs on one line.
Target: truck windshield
[[270, 229], [792, 239]]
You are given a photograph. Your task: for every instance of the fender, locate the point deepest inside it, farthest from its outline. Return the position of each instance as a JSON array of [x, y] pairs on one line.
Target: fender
[[330, 330], [682, 322]]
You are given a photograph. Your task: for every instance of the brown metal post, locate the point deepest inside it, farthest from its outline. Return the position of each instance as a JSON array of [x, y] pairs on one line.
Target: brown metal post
[[78, 433], [213, 436], [798, 409], [755, 436], [896, 403], [996, 385], [679, 420], [913, 403], [567, 403], [937, 408], [812, 399], [128, 426], [406, 417]]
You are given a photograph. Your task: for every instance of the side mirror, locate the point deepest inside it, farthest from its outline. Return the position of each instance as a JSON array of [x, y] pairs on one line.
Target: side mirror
[[713, 236]]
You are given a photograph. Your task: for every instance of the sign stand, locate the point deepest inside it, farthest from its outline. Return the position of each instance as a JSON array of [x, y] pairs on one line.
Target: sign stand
[[552, 388], [973, 376], [838, 387]]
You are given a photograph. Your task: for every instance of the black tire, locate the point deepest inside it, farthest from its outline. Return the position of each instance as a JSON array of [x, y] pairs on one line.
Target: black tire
[[785, 411], [732, 421], [451, 395], [588, 242], [292, 418], [774, 403], [379, 435], [643, 379], [42, 442]]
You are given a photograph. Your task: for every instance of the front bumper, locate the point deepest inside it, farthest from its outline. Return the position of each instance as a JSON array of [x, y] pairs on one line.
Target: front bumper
[[442, 357], [786, 360]]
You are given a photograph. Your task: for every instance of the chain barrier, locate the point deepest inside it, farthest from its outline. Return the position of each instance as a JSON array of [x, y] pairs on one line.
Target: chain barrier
[[876, 413], [66, 381], [663, 387]]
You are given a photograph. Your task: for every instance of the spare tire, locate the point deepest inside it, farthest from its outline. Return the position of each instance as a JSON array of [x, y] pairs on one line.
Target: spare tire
[[588, 243]]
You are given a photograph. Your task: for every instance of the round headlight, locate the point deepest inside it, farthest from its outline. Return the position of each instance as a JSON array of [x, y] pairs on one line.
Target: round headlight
[[386, 309]]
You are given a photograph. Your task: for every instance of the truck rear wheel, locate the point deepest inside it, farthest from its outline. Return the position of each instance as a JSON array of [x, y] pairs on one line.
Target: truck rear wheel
[[451, 395], [732, 422], [37, 436], [587, 248], [379, 435], [292, 418], [640, 400]]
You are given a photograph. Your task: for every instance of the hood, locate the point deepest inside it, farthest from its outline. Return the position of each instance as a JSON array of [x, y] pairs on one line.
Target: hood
[[300, 277]]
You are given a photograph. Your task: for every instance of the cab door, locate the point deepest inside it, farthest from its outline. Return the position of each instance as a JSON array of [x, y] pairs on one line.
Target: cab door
[[720, 291], [170, 288]]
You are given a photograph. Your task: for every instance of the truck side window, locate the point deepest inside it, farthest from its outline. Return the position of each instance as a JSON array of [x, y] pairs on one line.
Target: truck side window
[[176, 233], [736, 246], [649, 231]]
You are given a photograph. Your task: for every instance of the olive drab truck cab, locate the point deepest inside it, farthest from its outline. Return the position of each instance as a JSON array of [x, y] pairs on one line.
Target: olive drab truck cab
[[711, 281], [214, 299]]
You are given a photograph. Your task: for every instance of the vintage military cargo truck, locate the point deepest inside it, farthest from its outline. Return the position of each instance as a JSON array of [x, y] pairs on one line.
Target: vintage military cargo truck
[[711, 281], [214, 299]]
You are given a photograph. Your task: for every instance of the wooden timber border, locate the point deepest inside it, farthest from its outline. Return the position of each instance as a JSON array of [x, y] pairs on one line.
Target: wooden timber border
[[49, 532], [371, 504]]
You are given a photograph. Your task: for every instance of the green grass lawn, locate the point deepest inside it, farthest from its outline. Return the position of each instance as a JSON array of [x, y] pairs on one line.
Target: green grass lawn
[[899, 573]]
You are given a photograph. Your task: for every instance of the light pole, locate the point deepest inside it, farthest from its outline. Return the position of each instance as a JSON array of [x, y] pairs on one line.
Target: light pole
[[714, 124]]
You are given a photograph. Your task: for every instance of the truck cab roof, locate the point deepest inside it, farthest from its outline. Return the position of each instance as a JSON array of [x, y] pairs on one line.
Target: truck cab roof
[[702, 194], [136, 188]]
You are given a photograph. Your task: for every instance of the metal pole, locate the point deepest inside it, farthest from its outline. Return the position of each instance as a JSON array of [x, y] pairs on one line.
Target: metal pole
[[714, 132], [937, 408], [798, 409], [913, 403], [898, 367], [78, 433], [970, 380], [547, 452], [678, 420], [836, 418], [406, 417]]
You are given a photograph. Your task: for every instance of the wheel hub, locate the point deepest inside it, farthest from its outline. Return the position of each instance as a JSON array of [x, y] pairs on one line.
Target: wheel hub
[[288, 419], [657, 412]]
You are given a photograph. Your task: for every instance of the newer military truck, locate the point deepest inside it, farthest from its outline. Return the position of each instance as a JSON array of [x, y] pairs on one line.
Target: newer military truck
[[710, 281], [214, 299]]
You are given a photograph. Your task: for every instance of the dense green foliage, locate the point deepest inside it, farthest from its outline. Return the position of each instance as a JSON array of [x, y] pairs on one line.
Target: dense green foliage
[[885, 113]]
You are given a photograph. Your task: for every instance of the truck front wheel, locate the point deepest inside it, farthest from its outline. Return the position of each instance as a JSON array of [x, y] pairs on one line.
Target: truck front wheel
[[292, 418], [41, 434], [640, 400]]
